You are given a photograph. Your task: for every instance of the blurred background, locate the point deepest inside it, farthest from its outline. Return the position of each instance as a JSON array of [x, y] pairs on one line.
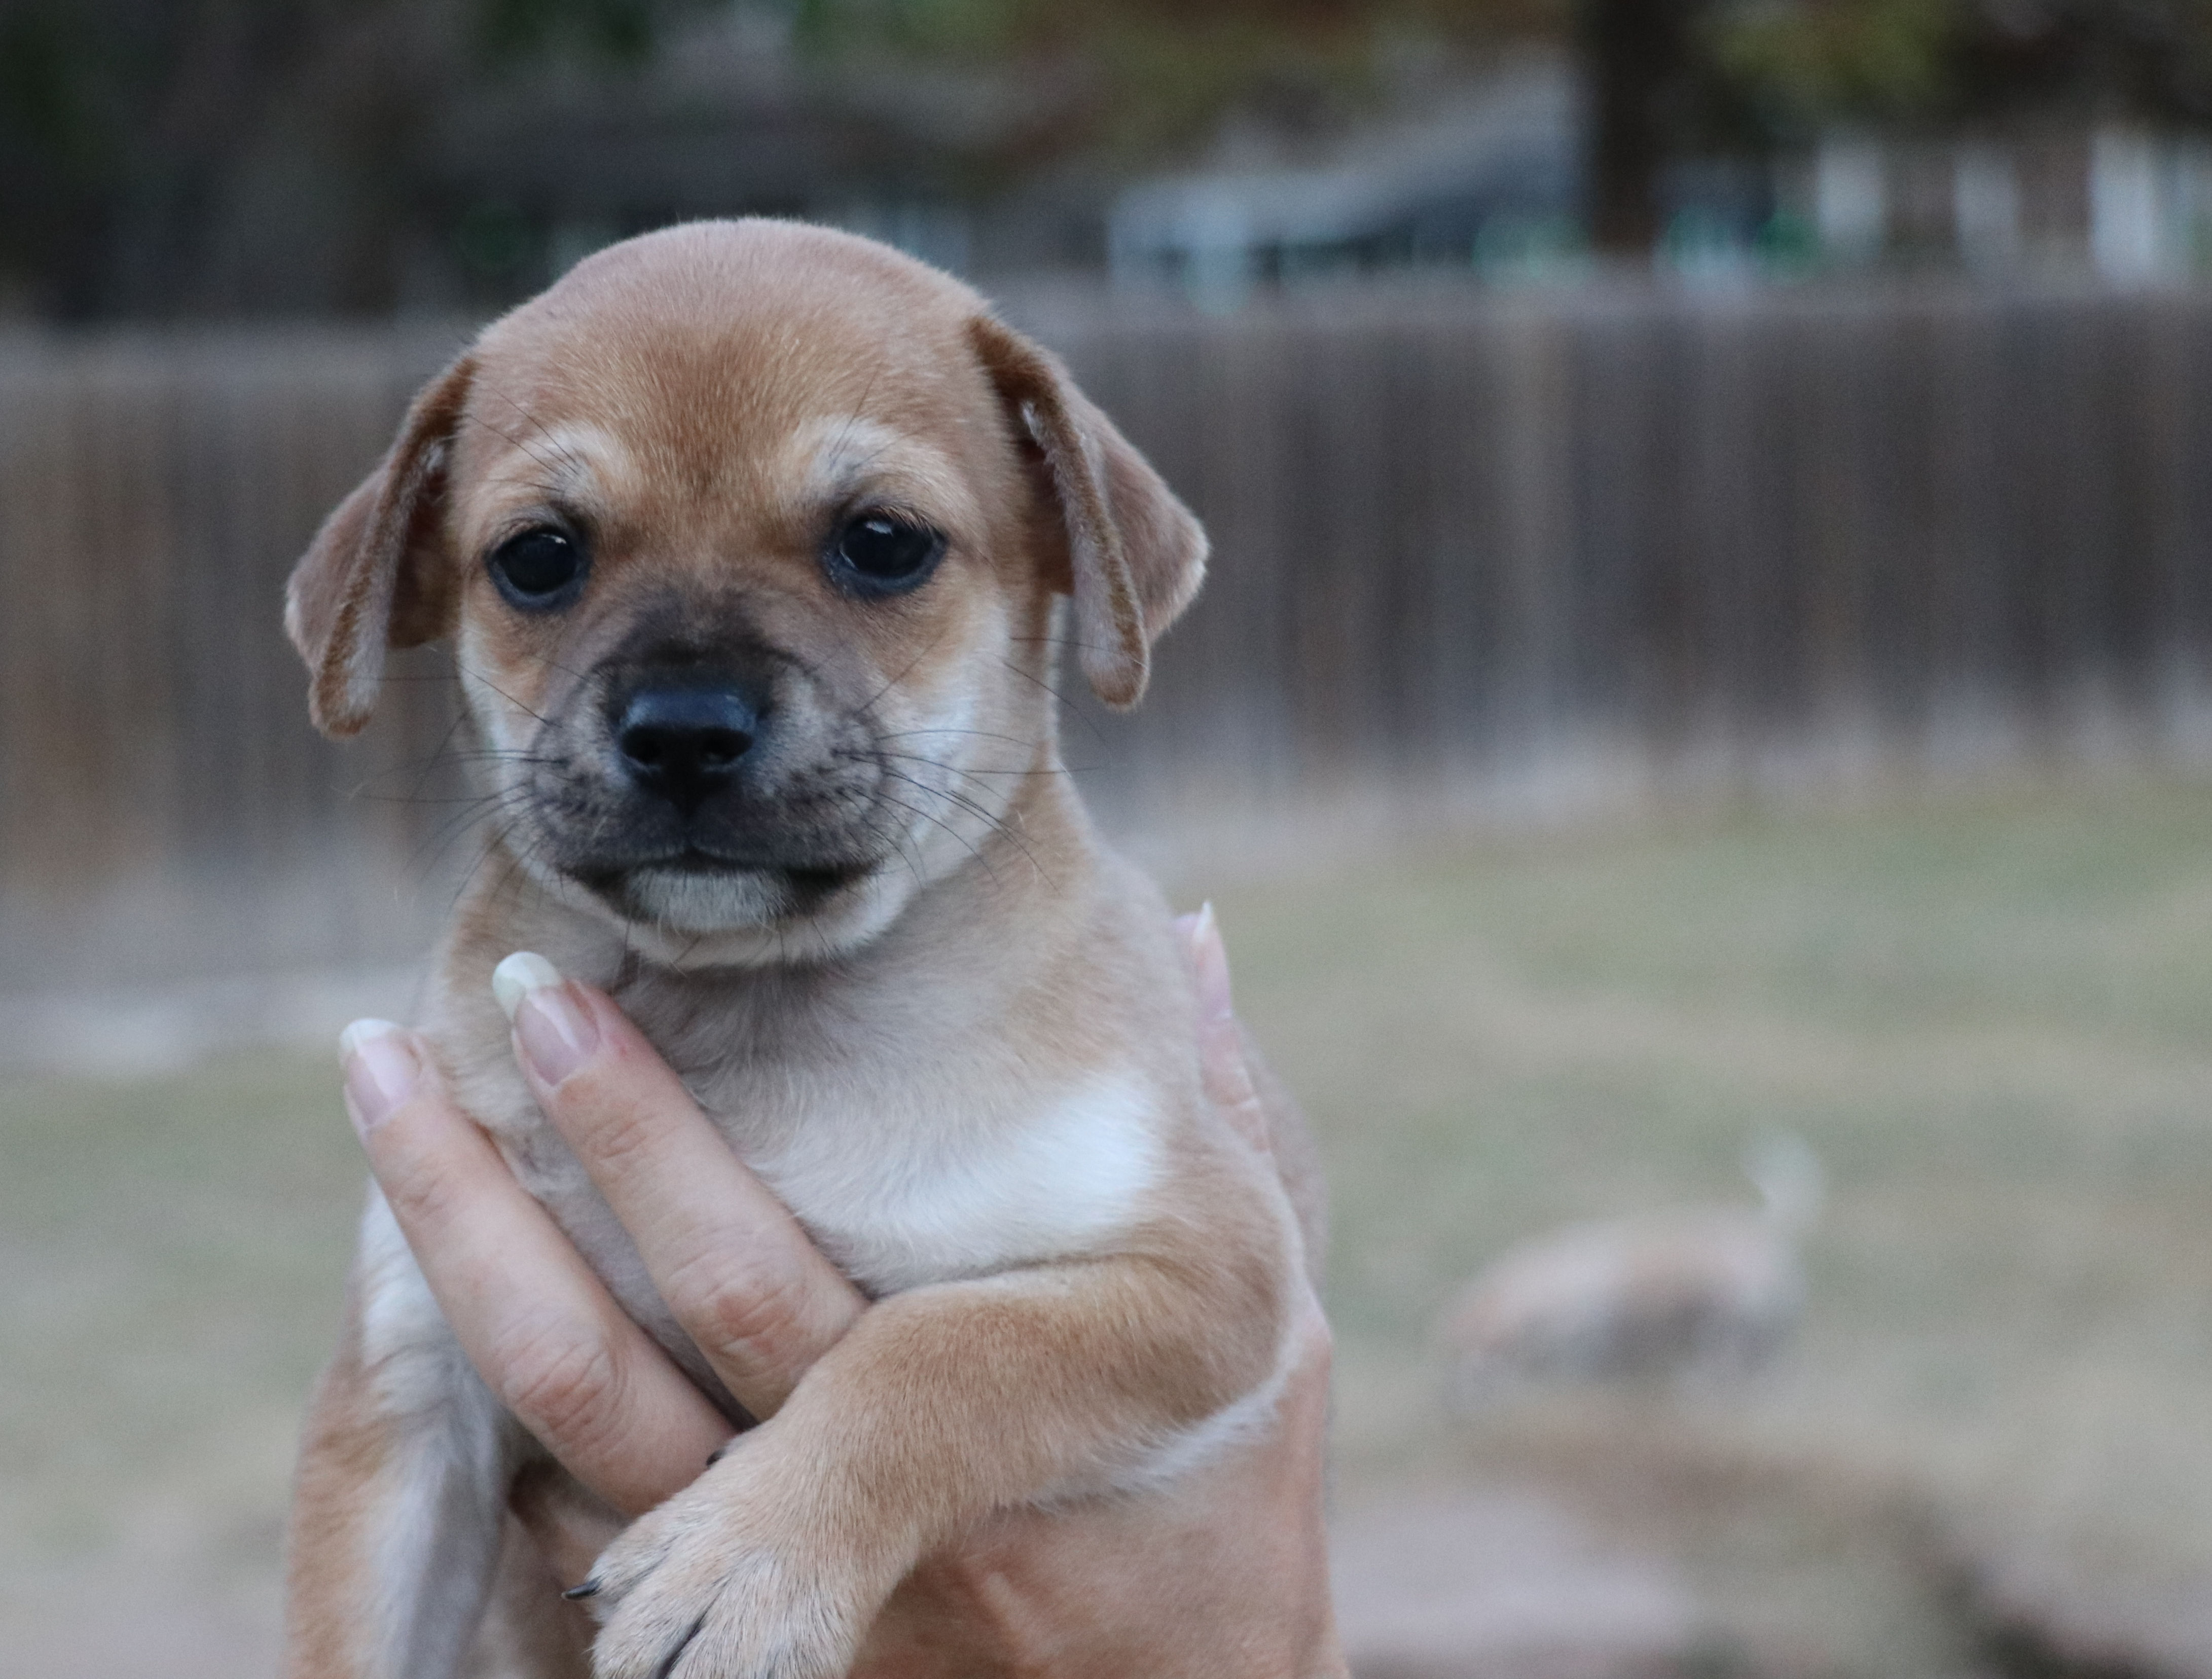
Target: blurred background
[[1700, 733]]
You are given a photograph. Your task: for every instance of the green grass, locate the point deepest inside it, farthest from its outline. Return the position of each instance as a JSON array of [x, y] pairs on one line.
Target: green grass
[[1993, 1017], [173, 1252]]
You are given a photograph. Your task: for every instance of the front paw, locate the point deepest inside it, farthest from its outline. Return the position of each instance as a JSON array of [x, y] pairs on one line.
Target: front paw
[[711, 1586]]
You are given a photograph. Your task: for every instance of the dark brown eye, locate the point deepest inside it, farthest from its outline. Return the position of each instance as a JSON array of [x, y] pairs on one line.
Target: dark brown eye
[[880, 553], [538, 570]]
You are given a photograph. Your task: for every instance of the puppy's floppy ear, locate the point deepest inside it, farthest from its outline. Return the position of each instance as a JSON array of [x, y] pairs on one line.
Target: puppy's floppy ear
[[1135, 553], [372, 578]]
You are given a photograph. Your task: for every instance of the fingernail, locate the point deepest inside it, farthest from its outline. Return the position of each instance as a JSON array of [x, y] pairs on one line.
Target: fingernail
[[557, 1036], [589, 1589], [1210, 956], [519, 975], [381, 1071]]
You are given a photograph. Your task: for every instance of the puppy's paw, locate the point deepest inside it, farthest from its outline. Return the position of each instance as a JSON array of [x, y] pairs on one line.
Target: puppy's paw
[[703, 1588]]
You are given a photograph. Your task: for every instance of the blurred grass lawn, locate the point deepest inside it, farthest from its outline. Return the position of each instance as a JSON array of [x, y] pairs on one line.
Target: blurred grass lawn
[[1991, 1017]]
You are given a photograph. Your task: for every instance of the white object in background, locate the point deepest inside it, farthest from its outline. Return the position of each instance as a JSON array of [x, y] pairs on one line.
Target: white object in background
[[2191, 201], [1690, 1296], [1985, 206], [1850, 198], [2129, 237], [1218, 275]]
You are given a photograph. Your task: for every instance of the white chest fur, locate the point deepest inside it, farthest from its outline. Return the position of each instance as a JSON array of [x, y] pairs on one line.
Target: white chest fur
[[901, 1181], [947, 1188]]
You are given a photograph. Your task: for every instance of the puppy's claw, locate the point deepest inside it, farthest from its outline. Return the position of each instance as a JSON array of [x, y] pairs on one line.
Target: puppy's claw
[[589, 1589]]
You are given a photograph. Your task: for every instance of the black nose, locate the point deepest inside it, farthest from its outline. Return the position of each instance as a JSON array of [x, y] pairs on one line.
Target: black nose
[[684, 744]]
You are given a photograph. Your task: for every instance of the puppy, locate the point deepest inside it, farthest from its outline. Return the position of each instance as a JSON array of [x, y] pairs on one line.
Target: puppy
[[754, 542]]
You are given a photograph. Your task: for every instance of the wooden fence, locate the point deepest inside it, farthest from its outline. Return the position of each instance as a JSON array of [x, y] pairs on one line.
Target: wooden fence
[[1708, 534], [1461, 540]]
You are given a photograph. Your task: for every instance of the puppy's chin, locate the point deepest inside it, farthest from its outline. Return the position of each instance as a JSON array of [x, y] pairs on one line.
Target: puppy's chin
[[695, 919], [697, 901]]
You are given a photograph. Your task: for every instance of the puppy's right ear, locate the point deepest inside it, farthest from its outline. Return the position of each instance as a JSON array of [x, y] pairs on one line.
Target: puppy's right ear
[[373, 577]]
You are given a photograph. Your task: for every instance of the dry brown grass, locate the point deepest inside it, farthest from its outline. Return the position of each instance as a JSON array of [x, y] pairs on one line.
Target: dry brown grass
[[1992, 1019]]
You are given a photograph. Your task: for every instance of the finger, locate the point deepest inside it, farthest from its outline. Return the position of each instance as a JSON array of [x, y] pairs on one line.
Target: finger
[[1220, 1039], [745, 1280], [539, 1327]]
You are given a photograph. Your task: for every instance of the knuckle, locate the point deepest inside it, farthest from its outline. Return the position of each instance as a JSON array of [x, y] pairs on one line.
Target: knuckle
[[560, 1380], [420, 1197], [617, 1135], [740, 1312]]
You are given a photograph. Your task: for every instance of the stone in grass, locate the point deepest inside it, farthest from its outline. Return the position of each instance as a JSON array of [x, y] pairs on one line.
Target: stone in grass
[[1502, 1586]]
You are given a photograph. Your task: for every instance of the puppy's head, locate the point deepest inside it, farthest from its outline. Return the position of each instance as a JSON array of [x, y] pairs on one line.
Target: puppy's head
[[747, 536]]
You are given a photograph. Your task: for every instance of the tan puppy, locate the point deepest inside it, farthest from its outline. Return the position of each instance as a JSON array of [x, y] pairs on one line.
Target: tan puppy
[[750, 539]]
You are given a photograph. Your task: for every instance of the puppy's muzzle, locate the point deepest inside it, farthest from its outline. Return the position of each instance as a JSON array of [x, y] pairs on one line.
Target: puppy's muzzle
[[706, 791], [687, 744]]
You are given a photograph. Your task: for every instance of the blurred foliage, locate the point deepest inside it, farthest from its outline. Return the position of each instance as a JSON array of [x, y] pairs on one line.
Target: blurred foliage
[[154, 154], [618, 31], [130, 130], [1837, 56], [995, 28], [168, 157], [1144, 78], [1668, 79], [1808, 63], [1749, 72]]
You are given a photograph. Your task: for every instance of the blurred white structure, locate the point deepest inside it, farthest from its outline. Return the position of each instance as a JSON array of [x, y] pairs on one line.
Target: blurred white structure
[[1499, 155], [2150, 205], [1850, 198], [1686, 1296], [2133, 205], [2129, 215]]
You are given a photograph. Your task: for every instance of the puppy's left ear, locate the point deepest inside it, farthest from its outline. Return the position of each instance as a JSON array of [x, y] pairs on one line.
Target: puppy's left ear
[[373, 576], [1135, 554]]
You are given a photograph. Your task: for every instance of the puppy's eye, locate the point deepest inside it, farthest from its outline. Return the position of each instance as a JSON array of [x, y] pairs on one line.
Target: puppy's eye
[[879, 553], [538, 569]]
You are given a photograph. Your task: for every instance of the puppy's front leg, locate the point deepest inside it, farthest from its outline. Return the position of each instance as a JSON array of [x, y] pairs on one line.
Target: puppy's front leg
[[397, 1513], [941, 1405]]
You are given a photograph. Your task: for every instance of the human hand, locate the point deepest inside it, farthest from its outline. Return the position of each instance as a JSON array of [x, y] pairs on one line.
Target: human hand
[[1222, 1574]]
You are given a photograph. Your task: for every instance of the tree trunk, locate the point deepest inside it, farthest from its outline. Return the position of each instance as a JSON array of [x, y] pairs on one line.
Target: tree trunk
[[1638, 58]]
